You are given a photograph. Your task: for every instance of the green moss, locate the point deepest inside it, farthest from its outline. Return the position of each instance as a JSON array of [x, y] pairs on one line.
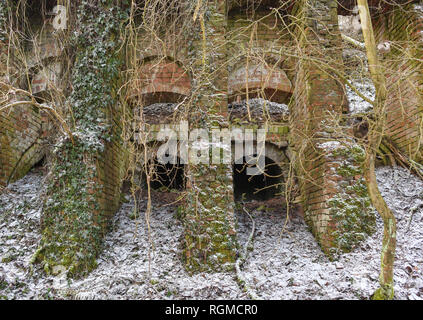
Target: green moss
[[384, 293], [351, 208], [73, 220], [209, 241]]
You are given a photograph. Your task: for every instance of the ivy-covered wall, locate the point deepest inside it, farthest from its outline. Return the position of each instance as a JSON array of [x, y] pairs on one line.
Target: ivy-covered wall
[[209, 241], [87, 169]]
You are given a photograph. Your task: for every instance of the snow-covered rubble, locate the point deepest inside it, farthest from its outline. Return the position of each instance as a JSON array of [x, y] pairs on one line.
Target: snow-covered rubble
[[288, 265], [260, 109], [159, 112], [160, 108]]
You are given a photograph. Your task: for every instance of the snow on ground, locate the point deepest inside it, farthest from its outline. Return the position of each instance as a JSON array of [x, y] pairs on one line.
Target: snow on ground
[[20, 212], [280, 266], [356, 103], [295, 268]]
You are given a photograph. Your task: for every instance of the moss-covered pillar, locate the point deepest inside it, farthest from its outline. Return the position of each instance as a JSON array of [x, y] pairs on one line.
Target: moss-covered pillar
[[210, 242], [334, 196], [86, 173]]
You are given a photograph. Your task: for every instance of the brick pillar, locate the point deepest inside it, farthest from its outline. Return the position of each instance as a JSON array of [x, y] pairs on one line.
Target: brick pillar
[[327, 161], [86, 175], [402, 28], [209, 222]]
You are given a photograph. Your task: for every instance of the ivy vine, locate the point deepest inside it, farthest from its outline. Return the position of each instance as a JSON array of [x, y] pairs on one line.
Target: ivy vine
[[73, 224], [3, 21]]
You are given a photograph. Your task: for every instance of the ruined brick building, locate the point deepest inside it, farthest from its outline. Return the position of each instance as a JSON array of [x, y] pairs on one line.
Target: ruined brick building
[[236, 51]]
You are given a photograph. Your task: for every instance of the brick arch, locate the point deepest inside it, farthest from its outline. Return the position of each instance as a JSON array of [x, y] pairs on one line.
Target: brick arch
[[267, 80], [161, 80], [161, 169], [277, 167], [273, 152]]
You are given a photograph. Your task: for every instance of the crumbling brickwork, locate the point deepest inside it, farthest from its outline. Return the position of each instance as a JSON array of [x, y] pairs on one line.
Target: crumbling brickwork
[[317, 118], [234, 59], [20, 141], [402, 30], [21, 126]]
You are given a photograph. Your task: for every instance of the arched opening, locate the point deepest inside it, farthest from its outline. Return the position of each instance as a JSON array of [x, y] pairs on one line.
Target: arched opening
[[156, 95], [36, 11], [160, 86], [257, 187], [160, 80], [252, 8], [259, 80], [259, 91], [166, 177]]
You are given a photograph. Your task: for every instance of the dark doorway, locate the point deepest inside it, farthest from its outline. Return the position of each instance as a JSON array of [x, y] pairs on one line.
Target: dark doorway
[[168, 176], [259, 187]]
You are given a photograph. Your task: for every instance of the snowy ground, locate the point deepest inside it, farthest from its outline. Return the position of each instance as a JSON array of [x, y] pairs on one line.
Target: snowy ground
[[281, 266], [356, 103]]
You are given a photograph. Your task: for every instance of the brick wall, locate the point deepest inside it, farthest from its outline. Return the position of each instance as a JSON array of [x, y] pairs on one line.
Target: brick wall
[[21, 129], [111, 167], [162, 76], [20, 141], [316, 117], [403, 28], [256, 47], [24, 128]]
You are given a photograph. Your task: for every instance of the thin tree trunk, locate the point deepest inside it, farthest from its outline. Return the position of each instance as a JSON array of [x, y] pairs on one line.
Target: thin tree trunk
[[386, 290], [375, 134]]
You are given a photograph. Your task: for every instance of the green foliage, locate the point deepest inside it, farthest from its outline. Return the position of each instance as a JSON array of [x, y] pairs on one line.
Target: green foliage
[[3, 21], [95, 72], [210, 242], [72, 230], [73, 224], [352, 210]]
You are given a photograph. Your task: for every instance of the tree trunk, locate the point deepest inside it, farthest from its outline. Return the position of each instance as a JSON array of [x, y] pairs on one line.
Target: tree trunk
[[376, 127], [386, 290]]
